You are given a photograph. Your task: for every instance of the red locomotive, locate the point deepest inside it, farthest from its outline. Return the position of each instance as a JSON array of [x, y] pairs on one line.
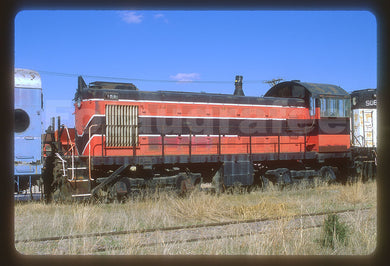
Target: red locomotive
[[125, 139]]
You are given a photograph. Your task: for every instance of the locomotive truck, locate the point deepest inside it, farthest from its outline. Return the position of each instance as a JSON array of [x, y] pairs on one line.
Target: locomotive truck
[[125, 140]]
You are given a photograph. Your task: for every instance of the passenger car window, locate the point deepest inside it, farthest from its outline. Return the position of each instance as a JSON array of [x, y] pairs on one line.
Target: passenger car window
[[22, 120]]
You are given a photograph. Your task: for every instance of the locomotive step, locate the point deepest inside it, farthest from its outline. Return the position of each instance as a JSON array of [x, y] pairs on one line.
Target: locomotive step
[[81, 195]]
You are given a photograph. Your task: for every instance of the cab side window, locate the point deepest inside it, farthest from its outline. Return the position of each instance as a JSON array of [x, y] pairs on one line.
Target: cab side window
[[335, 107]]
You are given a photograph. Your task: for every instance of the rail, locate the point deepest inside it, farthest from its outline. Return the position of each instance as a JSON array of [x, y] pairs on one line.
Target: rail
[[177, 228]]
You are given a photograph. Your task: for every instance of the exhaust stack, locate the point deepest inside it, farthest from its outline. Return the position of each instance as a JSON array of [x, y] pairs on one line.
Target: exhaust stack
[[238, 87]]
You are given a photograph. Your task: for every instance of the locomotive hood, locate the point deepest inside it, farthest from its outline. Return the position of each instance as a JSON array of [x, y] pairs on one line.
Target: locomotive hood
[[127, 91]]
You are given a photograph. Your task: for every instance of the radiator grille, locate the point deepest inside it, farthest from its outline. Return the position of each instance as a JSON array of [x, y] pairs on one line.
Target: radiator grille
[[121, 125]]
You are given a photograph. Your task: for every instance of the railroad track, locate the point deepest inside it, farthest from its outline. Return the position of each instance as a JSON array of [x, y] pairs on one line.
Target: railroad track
[[205, 232]]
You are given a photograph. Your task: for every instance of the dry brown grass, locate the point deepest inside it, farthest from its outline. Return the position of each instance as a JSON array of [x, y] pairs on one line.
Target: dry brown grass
[[34, 220], [198, 207], [267, 207], [356, 193]]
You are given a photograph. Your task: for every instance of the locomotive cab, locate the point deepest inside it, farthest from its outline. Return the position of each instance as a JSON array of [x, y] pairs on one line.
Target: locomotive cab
[[328, 109], [292, 89]]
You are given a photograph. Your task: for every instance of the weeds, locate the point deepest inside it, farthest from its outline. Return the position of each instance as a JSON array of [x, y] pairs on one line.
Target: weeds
[[35, 220], [334, 232], [356, 192]]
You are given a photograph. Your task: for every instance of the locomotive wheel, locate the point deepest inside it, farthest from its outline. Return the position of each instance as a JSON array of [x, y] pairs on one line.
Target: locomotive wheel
[[116, 197], [112, 196], [284, 177], [126, 181], [181, 186], [327, 174], [368, 171], [197, 185], [279, 177], [63, 192], [264, 182], [62, 188], [218, 184]]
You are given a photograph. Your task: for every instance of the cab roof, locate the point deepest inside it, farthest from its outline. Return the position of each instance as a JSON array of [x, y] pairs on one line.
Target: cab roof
[[315, 89]]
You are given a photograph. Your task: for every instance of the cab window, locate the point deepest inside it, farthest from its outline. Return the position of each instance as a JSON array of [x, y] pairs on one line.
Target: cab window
[[335, 107]]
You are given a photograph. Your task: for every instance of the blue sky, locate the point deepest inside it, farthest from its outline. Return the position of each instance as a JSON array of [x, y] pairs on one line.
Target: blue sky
[[158, 50]]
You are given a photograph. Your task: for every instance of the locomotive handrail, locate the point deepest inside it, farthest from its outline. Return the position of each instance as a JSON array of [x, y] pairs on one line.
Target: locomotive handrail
[[89, 151], [249, 145], [63, 162], [252, 147], [71, 148], [357, 139]]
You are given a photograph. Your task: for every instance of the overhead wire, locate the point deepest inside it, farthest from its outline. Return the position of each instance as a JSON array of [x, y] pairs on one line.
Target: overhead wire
[[142, 80]]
